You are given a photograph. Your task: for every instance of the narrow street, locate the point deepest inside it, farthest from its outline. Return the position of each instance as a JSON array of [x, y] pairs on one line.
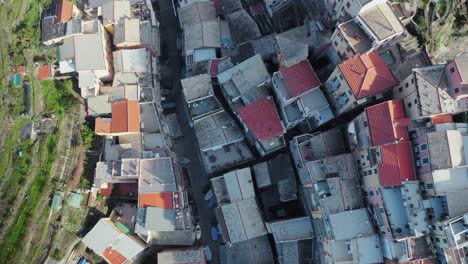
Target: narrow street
[[186, 146]]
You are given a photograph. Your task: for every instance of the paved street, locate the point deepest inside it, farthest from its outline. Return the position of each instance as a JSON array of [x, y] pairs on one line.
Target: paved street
[[186, 146]]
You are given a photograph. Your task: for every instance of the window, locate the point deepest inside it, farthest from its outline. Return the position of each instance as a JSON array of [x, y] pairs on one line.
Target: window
[[457, 90], [369, 172], [433, 227], [400, 89], [437, 239], [412, 81], [409, 105], [406, 85], [341, 76], [440, 228], [350, 93], [335, 43], [425, 160], [452, 70], [371, 193], [375, 171], [348, 4], [429, 186], [415, 101], [445, 241], [348, 49], [423, 146], [364, 173]]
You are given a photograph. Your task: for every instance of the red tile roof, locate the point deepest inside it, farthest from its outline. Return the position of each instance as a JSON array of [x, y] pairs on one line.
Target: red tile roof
[[63, 11], [102, 126], [161, 200], [299, 78], [397, 164], [125, 117], [262, 119], [442, 119], [44, 72], [387, 122], [113, 256], [367, 75]]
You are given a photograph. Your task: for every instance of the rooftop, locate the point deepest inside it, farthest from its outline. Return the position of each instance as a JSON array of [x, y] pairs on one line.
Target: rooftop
[[462, 65], [113, 11], [202, 35], [291, 230], [262, 119], [396, 211], [397, 164], [217, 130], [89, 52], [44, 72], [132, 60], [355, 36], [457, 202], [125, 118], [243, 77], [157, 175], [233, 186], [109, 242], [299, 78], [387, 122], [448, 180], [99, 105], [243, 27], [350, 224], [256, 250], [197, 87], [127, 30], [197, 13], [367, 75], [182, 256], [227, 6], [242, 220], [381, 19], [63, 11], [293, 45]]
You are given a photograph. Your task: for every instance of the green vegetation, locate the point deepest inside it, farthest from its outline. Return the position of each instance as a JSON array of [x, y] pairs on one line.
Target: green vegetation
[[58, 97], [15, 236], [441, 7], [443, 35]]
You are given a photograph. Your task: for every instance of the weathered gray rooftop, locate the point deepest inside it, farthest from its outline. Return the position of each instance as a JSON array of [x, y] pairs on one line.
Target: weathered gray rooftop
[[202, 35], [99, 105], [243, 220], [445, 149], [243, 27], [217, 130], [350, 224], [127, 30], [181, 256], [295, 252], [89, 52], [256, 250], [430, 82], [157, 175], [266, 46], [291, 230], [50, 30], [134, 60], [233, 186], [462, 65], [294, 45], [457, 202], [381, 20], [113, 11], [230, 6], [342, 166], [197, 87], [197, 13], [345, 195], [244, 76]]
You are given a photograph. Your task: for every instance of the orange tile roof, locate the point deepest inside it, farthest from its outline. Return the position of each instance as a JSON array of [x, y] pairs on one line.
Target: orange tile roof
[[63, 11], [44, 72], [113, 256], [102, 126], [367, 75], [161, 200], [442, 119], [133, 111], [119, 117], [125, 118]]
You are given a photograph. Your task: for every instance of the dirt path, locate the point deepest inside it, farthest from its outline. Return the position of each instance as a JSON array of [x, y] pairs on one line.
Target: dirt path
[[78, 171]]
